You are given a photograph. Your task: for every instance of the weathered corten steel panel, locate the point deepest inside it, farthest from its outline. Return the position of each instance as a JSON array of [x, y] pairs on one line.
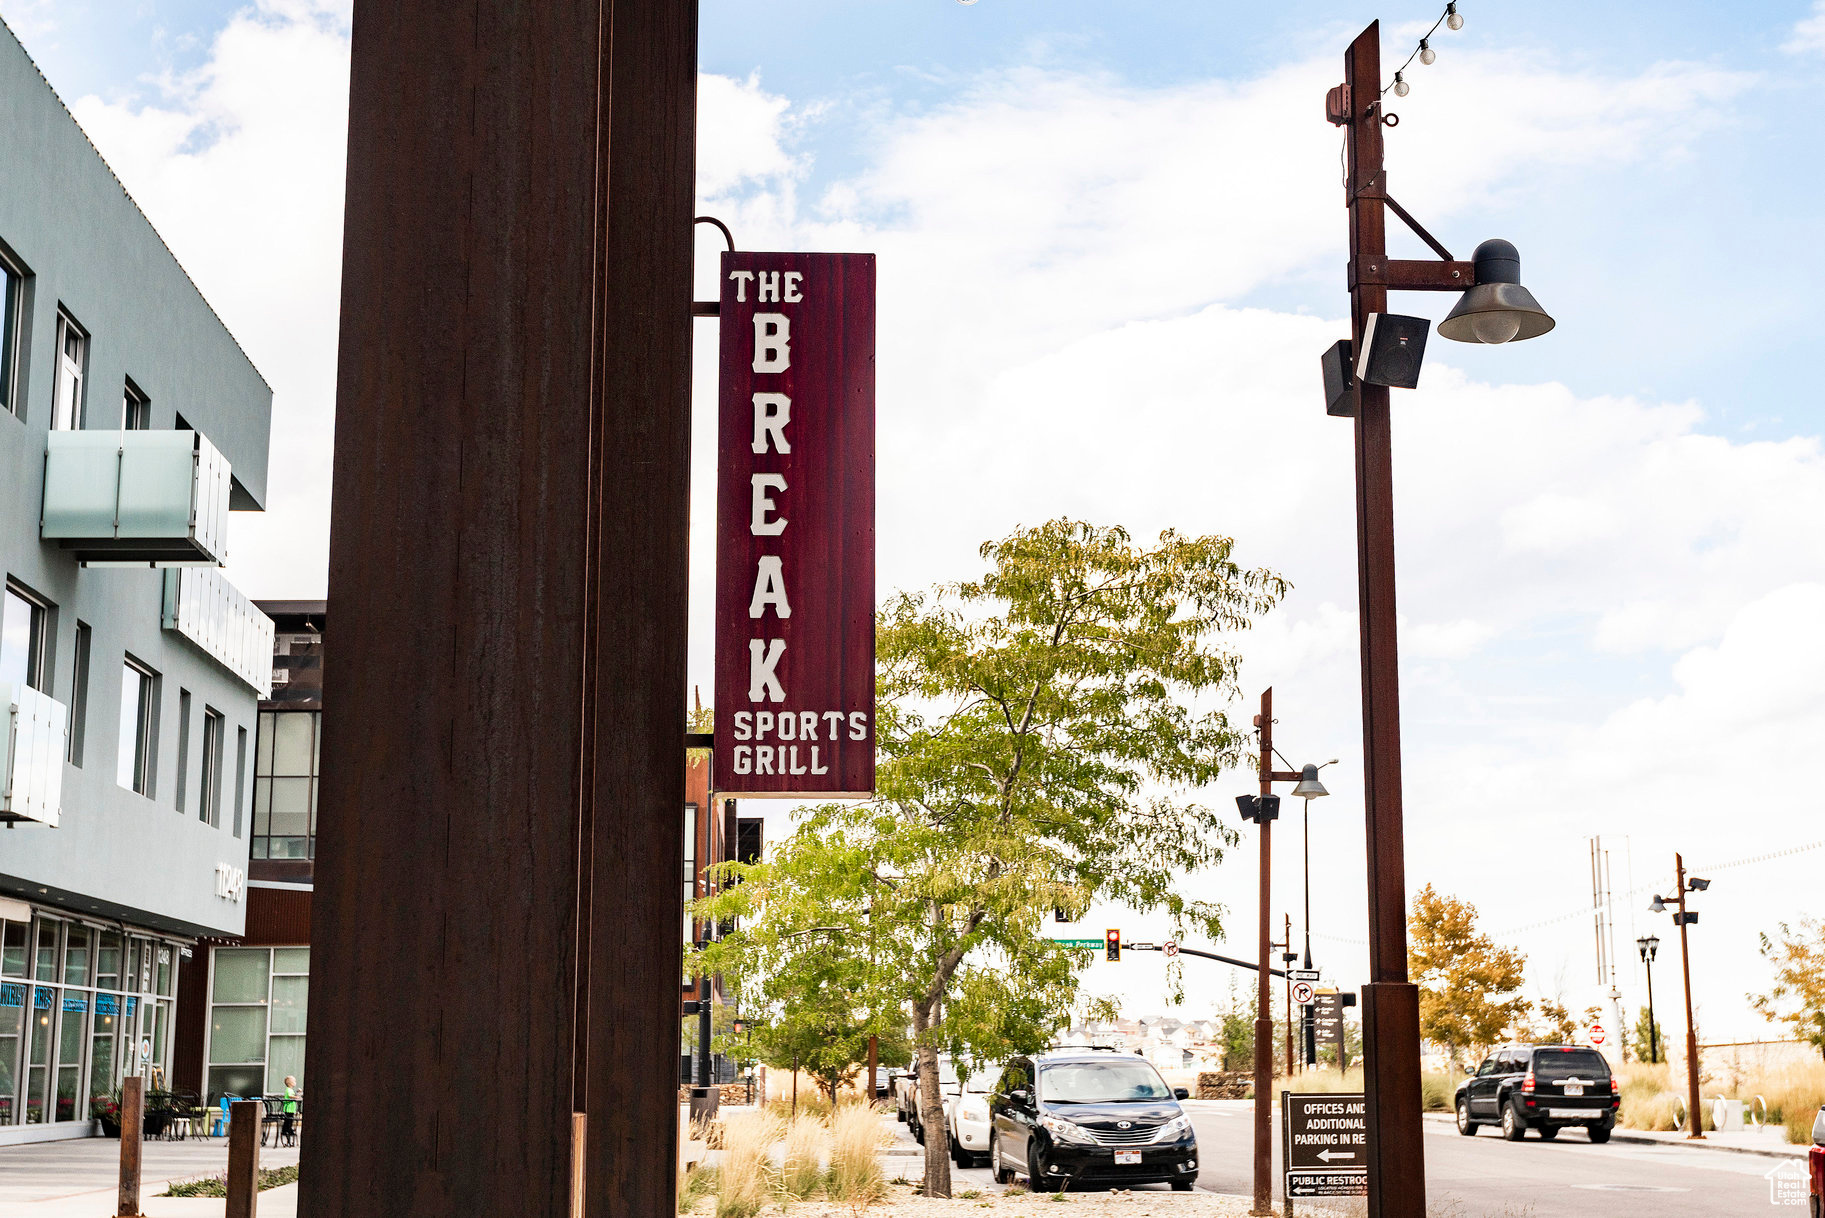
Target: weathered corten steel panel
[[445, 912], [795, 526], [637, 628]]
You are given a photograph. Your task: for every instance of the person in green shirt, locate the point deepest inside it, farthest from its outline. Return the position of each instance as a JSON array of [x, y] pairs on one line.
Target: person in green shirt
[[288, 1113]]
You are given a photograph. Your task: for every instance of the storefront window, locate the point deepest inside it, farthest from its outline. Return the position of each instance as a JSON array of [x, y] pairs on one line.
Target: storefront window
[[63, 1044], [258, 1001]]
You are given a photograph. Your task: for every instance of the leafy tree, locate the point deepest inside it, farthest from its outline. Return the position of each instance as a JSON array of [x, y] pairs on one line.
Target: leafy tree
[[1644, 1047], [1038, 742], [1797, 997], [1468, 987]]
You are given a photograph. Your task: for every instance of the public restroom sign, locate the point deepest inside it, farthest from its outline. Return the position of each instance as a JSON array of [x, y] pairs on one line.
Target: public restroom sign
[[795, 527]]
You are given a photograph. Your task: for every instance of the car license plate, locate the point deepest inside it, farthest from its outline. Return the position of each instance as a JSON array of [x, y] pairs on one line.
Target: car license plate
[[1127, 1156], [1574, 1089], [1570, 1114]]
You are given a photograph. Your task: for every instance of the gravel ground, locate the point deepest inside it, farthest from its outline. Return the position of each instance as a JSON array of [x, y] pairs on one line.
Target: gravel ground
[[903, 1202]]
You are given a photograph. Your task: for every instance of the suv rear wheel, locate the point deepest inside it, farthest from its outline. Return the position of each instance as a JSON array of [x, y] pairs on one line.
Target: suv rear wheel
[[1465, 1125], [1514, 1125], [1600, 1133], [1548, 1132]]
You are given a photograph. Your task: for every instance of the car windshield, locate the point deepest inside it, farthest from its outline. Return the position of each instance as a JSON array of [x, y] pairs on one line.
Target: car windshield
[[947, 1074], [1552, 1065], [982, 1080], [1102, 1082]]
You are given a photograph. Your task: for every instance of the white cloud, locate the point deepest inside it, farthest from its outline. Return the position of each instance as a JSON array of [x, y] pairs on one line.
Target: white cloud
[[1808, 36]]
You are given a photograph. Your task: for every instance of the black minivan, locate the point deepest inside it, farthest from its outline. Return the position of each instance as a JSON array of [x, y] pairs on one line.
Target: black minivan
[[1543, 1087], [1084, 1117]]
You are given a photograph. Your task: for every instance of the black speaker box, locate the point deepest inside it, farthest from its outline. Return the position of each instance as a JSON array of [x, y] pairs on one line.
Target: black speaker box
[[1393, 347], [1339, 381]]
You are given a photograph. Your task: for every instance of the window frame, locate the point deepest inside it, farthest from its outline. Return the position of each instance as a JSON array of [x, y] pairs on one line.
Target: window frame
[[209, 794], [79, 693], [145, 735], [68, 416], [135, 408], [38, 645], [15, 311]]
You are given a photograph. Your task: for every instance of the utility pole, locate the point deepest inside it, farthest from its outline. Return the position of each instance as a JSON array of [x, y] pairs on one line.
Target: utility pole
[[1390, 1002], [1264, 1023], [1685, 966]]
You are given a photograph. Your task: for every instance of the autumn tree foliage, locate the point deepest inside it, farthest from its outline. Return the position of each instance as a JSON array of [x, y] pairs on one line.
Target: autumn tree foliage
[[1469, 989], [1797, 997]]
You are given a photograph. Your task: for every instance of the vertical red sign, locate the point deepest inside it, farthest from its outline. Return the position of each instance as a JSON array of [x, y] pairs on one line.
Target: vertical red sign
[[795, 527]]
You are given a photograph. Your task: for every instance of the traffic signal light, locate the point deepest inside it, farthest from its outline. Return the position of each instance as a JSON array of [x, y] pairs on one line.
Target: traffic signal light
[[1113, 940]]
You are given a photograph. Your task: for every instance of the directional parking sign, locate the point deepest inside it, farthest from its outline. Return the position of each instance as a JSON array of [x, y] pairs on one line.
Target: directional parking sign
[[1326, 1144]]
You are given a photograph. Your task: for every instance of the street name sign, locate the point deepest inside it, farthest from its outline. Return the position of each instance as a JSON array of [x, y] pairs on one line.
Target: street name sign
[[1303, 974], [795, 527], [1077, 943], [1325, 1144]]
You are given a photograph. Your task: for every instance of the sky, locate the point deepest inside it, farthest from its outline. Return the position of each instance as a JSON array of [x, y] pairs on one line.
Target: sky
[[1111, 248]]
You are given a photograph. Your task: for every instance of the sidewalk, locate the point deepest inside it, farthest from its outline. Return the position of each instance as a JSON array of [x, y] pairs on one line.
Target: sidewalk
[[1770, 1140], [78, 1178]]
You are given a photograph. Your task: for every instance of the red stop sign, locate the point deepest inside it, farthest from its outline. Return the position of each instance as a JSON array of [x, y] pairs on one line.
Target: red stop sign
[[1596, 1034]]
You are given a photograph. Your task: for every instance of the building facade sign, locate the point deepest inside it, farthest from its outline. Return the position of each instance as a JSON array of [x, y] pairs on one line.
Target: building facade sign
[[795, 526]]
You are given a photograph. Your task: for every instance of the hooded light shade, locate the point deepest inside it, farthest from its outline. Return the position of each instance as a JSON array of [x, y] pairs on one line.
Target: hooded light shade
[[1309, 787], [1657, 905], [1498, 309]]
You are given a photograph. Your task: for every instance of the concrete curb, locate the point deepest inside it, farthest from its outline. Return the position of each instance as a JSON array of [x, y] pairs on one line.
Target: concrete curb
[[1641, 1137]]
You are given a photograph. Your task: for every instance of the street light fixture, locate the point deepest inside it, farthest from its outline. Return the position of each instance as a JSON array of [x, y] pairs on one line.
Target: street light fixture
[[1649, 947], [1264, 809], [1682, 918], [1309, 788], [1390, 1000]]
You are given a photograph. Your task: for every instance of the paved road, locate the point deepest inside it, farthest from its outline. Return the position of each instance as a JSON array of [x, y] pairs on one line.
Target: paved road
[[1567, 1178]]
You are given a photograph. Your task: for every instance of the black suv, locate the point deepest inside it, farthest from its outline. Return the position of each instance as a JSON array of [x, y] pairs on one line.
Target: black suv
[[1089, 1117], [1543, 1087]]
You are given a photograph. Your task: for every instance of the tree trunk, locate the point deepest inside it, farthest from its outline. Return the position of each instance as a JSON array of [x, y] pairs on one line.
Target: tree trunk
[[931, 1108]]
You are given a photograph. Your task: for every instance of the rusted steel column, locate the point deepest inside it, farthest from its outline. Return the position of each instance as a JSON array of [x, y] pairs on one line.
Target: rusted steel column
[[1390, 1003], [244, 1117], [132, 1141], [445, 911], [636, 715]]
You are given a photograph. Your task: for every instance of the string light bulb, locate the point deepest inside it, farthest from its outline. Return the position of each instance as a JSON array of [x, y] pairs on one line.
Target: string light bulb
[[1453, 18], [1401, 87], [1426, 54]]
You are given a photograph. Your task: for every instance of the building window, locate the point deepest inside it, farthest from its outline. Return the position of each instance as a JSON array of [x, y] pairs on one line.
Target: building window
[[84, 1017], [72, 369], [183, 746], [12, 330], [24, 623], [240, 775], [257, 1002], [690, 868], [138, 709], [209, 807], [135, 410], [285, 785], [79, 694]]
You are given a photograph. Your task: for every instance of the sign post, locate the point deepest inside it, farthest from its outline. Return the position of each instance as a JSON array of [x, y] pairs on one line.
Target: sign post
[[795, 527], [1325, 1145]]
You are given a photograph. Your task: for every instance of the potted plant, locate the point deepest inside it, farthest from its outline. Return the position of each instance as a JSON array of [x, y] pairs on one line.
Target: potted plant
[[106, 1109]]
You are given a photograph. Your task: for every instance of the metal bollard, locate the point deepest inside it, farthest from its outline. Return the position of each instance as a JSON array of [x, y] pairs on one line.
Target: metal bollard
[[244, 1117], [132, 1133]]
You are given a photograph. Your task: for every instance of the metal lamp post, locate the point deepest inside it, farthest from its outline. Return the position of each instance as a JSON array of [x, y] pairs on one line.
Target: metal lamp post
[[1649, 947], [1309, 788], [1494, 308], [1682, 918], [1264, 809]]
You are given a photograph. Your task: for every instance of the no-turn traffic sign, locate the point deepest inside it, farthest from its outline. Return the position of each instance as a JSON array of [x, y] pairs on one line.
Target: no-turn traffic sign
[[1172, 947], [1302, 993]]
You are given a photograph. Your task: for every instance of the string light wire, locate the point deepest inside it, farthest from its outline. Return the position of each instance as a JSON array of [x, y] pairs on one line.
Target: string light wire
[[1398, 86]]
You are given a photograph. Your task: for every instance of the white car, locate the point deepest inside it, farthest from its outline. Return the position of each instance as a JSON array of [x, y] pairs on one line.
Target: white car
[[966, 1117]]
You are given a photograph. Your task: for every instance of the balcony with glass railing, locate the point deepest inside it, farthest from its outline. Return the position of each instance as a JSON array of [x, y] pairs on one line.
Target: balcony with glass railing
[[36, 728], [212, 613], [154, 497]]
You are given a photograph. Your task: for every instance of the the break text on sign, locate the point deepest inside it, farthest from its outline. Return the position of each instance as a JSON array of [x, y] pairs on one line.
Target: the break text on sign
[[795, 526]]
